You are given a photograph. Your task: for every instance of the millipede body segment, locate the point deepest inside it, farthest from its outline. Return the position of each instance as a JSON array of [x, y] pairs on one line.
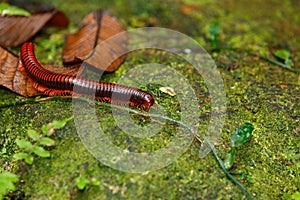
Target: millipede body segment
[[53, 84]]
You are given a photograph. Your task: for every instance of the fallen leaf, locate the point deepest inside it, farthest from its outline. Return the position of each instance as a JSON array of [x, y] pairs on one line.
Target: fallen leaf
[[15, 30], [13, 79], [282, 86], [94, 29], [168, 90], [59, 19]]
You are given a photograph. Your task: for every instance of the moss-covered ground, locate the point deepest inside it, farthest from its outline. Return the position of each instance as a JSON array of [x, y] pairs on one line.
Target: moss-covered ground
[[258, 92]]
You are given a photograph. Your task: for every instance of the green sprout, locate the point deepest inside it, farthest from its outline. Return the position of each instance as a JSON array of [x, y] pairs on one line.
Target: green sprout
[[7, 181], [83, 181], [284, 55], [39, 141], [240, 136]]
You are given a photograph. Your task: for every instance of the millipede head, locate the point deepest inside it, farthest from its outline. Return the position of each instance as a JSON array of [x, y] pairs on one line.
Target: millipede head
[[148, 101]]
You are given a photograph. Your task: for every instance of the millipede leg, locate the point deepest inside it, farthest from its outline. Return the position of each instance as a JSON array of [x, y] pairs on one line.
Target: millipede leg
[[52, 92]]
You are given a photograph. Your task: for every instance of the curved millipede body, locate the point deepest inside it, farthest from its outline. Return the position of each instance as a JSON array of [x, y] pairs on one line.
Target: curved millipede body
[[53, 84]]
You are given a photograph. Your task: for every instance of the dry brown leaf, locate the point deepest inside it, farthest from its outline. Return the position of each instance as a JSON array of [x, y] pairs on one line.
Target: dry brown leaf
[[13, 79], [15, 30], [59, 19], [94, 29]]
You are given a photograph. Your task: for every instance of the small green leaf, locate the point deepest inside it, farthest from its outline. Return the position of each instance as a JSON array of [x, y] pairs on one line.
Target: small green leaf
[[57, 124], [229, 159], [282, 54], [6, 9], [40, 151], [29, 159], [241, 135], [6, 187], [45, 129], [296, 196], [7, 176], [33, 134], [287, 196], [95, 181], [288, 62], [81, 182], [24, 144], [24, 156], [7, 181], [46, 141]]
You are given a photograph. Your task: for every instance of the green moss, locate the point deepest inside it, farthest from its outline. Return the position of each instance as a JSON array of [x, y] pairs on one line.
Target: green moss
[[257, 92]]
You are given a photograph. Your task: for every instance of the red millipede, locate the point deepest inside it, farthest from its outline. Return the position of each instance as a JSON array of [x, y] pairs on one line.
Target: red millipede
[[53, 84]]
